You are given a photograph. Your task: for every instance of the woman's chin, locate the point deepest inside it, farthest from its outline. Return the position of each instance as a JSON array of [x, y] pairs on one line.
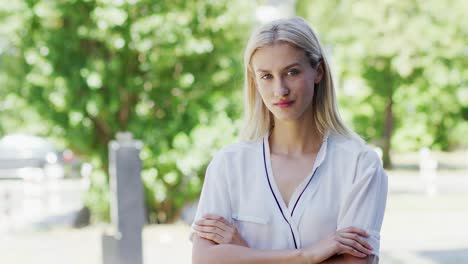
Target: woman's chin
[[286, 117]]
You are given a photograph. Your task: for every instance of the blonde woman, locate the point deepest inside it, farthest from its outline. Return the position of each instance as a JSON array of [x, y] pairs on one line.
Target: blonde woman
[[300, 187]]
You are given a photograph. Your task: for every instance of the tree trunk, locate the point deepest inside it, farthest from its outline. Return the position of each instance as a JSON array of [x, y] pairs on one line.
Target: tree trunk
[[388, 129], [104, 135]]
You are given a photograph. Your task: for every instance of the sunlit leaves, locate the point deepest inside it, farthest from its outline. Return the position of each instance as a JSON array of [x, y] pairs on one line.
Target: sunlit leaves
[[414, 52], [165, 70]]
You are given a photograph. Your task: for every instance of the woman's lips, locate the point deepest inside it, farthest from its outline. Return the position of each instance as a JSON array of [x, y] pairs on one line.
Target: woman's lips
[[284, 104]]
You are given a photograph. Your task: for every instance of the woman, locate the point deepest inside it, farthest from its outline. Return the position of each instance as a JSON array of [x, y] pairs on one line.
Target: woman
[[300, 187]]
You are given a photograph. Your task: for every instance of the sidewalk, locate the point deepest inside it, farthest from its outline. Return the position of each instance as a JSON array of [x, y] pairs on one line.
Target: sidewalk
[[417, 229], [424, 228]]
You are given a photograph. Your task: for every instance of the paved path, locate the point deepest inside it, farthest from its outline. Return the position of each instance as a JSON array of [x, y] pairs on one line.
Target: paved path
[[417, 229]]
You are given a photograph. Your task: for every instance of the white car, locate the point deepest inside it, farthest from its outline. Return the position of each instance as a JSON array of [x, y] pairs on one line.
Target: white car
[[29, 156]]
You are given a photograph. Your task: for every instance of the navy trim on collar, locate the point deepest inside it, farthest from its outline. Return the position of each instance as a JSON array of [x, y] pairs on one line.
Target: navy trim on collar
[[272, 192], [298, 198]]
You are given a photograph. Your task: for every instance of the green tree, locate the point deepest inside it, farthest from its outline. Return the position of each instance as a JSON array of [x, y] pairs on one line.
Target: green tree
[[401, 66], [164, 70]]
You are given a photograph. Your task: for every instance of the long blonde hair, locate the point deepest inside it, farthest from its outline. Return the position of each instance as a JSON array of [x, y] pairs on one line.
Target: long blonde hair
[[258, 120]]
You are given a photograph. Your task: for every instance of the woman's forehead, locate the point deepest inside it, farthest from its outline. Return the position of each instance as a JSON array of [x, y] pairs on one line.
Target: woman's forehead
[[277, 56]]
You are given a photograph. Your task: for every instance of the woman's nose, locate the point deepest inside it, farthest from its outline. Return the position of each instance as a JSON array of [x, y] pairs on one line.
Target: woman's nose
[[281, 88]]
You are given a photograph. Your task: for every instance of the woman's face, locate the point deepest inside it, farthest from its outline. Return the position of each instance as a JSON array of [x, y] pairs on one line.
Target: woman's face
[[285, 80]]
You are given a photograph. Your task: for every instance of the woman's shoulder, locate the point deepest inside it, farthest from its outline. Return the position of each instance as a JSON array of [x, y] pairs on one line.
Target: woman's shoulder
[[239, 148], [358, 158], [235, 155], [354, 146]]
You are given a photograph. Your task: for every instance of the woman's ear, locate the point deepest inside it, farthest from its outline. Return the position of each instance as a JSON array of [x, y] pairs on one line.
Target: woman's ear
[[320, 72]]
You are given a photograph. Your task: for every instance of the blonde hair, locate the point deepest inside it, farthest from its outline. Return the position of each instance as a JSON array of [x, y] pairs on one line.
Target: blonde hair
[[258, 120]]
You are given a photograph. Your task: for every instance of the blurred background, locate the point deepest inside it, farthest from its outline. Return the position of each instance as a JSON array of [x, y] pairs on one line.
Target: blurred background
[[73, 73]]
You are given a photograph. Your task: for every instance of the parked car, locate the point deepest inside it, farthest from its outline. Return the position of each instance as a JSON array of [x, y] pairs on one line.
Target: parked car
[[24, 155]]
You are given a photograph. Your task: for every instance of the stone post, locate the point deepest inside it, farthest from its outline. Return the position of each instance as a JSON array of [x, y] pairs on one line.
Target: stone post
[[428, 171], [122, 244]]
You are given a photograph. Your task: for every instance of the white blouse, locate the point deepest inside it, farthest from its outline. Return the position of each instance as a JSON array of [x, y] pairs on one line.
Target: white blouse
[[346, 187]]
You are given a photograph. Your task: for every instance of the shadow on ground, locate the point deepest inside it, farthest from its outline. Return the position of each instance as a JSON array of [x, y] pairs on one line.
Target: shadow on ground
[[446, 256], [441, 166]]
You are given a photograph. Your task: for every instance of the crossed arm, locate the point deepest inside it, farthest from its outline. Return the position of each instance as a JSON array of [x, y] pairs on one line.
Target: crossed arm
[[217, 241], [367, 194], [208, 252]]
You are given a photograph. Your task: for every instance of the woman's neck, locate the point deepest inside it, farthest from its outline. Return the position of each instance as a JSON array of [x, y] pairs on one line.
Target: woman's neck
[[295, 138]]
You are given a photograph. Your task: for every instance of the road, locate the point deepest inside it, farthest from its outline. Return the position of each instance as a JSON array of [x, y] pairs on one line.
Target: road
[[418, 228]]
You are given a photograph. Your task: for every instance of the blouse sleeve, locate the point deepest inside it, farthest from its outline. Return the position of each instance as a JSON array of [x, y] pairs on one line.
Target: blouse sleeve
[[364, 204], [214, 198]]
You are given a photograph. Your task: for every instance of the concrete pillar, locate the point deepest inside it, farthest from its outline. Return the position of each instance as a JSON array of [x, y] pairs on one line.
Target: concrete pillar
[[122, 244], [428, 171]]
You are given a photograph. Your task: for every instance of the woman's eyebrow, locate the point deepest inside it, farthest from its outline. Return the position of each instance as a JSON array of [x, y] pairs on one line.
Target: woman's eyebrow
[[289, 66]]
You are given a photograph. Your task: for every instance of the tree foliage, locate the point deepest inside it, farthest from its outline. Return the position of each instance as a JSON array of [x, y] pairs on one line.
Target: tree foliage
[[170, 73], [164, 70], [402, 68]]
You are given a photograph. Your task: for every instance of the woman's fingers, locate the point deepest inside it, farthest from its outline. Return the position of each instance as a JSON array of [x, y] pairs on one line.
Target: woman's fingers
[[351, 251], [358, 239], [217, 218], [219, 230], [216, 221], [211, 236], [352, 240], [214, 228], [355, 230], [209, 229], [355, 245], [213, 223]]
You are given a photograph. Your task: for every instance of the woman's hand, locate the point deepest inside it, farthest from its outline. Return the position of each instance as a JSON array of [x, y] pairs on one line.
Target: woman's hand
[[218, 230], [349, 240]]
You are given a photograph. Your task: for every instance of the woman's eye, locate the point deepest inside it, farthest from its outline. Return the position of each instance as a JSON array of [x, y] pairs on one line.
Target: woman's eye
[[293, 72], [266, 76]]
